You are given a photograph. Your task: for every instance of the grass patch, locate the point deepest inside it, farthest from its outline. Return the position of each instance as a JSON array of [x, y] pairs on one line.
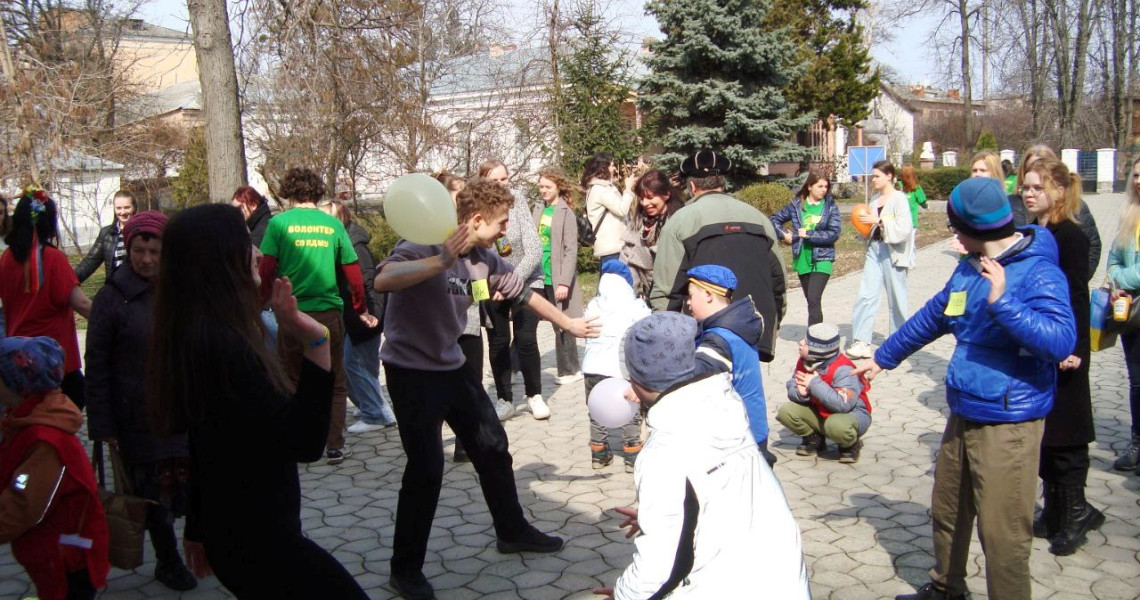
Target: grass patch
[[90, 287]]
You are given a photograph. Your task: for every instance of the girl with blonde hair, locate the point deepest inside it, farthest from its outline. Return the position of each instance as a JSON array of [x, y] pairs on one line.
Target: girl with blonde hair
[[1033, 154], [986, 164], [1052, 197], [1124, 273]]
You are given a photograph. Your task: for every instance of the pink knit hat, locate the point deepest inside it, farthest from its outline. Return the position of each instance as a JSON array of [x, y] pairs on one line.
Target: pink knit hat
[[150, 222]]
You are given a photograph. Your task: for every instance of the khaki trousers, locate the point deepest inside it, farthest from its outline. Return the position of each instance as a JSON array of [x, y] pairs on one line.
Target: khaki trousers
[[801, 420], [988, 472], [292, 352]]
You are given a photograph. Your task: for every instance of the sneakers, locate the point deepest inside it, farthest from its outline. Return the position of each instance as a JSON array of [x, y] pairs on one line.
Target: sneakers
[[1130, 458], [335, 457], [811, 445], [538, 408], [532, 540], [568, 379], [600, 458], [362, 427], [175, 576], [412, 587], [504, 409], [929, 592], [850, 455], [859, 349]]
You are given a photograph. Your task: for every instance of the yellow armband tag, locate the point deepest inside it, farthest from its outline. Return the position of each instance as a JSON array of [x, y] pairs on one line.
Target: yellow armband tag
[[479, 290], [956, 307]]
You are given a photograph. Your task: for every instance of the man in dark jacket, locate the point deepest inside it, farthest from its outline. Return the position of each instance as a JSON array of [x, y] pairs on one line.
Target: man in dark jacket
[[1007, 304], [715, 228], [108, 249]]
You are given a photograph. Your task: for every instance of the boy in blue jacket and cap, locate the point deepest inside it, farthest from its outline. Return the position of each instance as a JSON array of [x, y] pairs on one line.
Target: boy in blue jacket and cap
[[730, 335], [1007, 304]]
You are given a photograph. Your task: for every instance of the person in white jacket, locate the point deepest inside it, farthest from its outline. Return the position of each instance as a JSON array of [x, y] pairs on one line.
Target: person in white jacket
[[606, 206], [713, 519], [890, 254], [617, 307]]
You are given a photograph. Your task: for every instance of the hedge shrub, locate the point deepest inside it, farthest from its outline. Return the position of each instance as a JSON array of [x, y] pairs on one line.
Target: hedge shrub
[[765, 197], [938, 183]]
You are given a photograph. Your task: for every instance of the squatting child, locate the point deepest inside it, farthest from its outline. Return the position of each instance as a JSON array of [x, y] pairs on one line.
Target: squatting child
[[49, 507], [828, 399], [617, 307]]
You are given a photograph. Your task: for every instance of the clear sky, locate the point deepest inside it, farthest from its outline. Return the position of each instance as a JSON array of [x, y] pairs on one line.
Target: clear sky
[[906, 53]]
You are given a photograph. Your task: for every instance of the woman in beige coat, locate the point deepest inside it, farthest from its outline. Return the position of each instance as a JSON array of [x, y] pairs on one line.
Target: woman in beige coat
[[607, 207], [558, 231]]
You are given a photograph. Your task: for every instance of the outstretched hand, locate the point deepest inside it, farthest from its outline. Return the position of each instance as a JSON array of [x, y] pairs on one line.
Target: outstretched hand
[[608, 592], [585, 328], [630, 521], [870, 370]]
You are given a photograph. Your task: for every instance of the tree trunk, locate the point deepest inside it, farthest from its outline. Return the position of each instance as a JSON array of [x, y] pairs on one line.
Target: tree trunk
[[225, 149], [967, 89]]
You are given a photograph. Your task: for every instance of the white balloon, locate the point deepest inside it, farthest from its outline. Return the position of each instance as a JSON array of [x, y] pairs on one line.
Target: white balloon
[[607, 403], [420, 209]]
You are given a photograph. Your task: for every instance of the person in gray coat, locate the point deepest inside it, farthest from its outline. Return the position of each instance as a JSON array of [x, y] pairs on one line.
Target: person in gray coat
[[558, 230]]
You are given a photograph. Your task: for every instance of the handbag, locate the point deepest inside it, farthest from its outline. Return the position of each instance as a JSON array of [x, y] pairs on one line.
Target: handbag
[[1101, 334], [588, 235], [126, 513]]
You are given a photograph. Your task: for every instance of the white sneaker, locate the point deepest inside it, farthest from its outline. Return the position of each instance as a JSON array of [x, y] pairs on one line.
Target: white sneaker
[[504, 409], [859, 349], [567, 379], [538, 408], [356, 413], [362, 427]]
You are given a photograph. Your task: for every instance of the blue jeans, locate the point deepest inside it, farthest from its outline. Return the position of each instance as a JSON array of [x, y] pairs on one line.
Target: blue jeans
[[269, 320], [362, 370], [878, 273]]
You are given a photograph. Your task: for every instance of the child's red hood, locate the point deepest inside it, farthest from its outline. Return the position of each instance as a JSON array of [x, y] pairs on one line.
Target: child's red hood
[[53, 410]]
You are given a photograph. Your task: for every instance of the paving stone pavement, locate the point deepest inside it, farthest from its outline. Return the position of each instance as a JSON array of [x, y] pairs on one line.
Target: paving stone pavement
[[865, 527]]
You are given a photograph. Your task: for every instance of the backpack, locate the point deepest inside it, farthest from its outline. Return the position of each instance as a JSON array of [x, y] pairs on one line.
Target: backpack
[[588, 235]]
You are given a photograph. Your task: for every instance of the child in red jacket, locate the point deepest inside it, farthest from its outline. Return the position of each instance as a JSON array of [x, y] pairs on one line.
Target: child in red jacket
[[49, 507]]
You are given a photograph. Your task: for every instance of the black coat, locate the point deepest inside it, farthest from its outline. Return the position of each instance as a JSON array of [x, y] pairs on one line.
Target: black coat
[[118, 338], [102, 252], [355, 328], [1070, 423], [258, 222]]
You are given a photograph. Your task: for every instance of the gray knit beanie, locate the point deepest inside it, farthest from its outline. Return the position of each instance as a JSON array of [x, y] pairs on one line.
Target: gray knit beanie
[[660, 350], [822, 342]]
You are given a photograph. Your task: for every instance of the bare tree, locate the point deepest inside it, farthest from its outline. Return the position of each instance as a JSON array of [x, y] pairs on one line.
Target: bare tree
[[225, 147]]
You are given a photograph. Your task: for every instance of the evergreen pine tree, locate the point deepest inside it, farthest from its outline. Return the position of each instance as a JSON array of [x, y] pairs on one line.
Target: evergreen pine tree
[[838, 78], [717, 82], [595, 85]]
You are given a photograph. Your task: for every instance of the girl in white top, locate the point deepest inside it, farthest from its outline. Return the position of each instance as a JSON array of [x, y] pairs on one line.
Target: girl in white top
[[890, 253], [606, 206]]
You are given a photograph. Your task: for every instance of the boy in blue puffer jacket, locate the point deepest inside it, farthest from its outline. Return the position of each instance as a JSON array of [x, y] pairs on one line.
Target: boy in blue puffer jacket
[[1007, 304], [730, 335]]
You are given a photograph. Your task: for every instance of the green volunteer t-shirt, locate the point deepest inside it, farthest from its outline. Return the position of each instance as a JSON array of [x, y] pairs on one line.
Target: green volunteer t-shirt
[[916, 199], [309, 245], [544, 224], [810, 217]]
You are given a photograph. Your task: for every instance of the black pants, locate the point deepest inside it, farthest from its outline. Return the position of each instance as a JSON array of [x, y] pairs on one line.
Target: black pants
[[565, 345], [280, 565], [1067, 466], [423, 401], [502, 315], [813, 284], [79, 586], [74, 386]]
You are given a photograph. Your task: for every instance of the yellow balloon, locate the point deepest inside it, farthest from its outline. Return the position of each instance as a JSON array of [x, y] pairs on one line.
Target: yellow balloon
[[420, 209]]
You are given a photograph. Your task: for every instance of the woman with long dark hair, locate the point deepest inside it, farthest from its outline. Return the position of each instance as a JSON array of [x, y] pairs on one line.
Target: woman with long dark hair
[[606, 206], [657, 201], [1053, 198], [212, 375], [889, 255], [815, 229], [38, 288]]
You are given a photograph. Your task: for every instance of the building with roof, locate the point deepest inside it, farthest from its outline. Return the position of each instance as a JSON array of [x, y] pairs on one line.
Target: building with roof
[[156, 57]]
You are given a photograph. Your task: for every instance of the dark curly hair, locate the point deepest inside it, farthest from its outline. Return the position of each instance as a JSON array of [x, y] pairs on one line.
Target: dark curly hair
[[596, 167], [302, 185], [482, 197]]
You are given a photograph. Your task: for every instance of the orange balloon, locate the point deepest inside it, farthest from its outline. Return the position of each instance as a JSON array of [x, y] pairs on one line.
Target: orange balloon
[[857, 211]]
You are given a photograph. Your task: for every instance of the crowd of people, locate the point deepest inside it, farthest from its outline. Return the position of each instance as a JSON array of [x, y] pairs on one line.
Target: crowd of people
[[222, 316]]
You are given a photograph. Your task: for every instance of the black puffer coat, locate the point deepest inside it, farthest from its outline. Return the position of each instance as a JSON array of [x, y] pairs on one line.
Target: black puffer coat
[[118, 337]]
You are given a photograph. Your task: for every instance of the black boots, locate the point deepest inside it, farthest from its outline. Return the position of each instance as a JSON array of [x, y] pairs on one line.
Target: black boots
[[811, 445], [929, 592], [1130, 458], [1045, 524], [1077, 518]]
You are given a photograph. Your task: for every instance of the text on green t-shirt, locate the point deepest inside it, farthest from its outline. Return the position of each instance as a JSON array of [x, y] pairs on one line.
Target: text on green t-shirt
[[309, 246]]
